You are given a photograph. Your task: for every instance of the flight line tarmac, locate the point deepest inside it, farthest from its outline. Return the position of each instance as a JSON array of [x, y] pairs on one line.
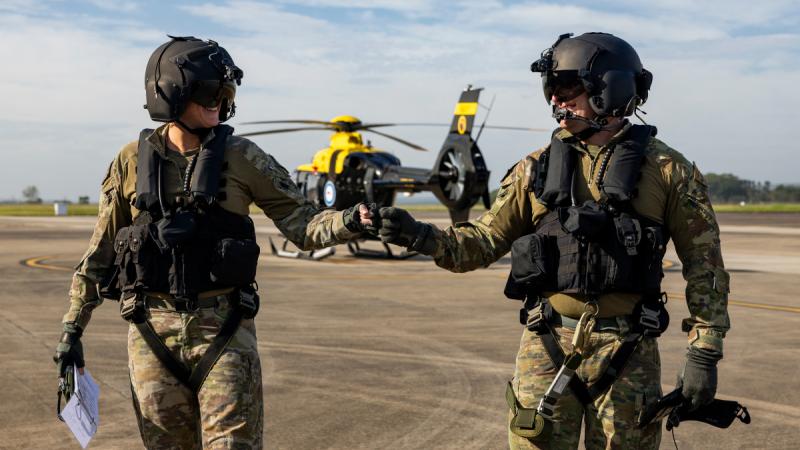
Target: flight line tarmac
[[361, 353]]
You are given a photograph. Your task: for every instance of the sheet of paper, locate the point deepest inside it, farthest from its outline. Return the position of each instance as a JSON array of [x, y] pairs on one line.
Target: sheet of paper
[[81, 413]]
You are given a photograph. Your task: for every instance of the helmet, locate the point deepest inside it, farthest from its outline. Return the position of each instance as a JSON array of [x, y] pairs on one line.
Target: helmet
[[189, 69], [608, 68]]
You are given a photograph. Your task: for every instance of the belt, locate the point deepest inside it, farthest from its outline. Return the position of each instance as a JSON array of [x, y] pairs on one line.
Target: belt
[[600, 324], [157, 300]]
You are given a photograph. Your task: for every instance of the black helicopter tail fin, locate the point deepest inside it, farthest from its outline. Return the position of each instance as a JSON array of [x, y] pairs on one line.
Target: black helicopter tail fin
[[466, 108], [460, 177]]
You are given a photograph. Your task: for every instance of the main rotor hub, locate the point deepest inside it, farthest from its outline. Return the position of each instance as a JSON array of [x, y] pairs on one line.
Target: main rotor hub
[[346, 124]]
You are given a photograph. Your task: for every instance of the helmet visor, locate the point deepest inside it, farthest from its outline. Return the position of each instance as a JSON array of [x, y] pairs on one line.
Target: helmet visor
[[211, 93], [564, 85]]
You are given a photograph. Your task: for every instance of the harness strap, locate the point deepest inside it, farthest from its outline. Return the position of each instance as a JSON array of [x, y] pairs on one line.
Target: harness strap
[[192, 379], [585, 394], [162, 352], [556, 354], [214, 351]]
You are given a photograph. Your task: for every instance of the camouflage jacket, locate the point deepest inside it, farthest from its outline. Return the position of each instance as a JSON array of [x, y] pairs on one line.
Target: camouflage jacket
[[252, 176], [671, 191]]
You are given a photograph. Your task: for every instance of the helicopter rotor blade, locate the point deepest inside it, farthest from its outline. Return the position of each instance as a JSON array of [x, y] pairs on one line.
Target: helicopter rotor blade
[[501, 127], [397, 139], [496, 127], [367, 126], [262, 122], [282, 130]]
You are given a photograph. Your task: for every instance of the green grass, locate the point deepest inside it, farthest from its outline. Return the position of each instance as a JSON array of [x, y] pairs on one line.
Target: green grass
[[759, 208], [45, 209]]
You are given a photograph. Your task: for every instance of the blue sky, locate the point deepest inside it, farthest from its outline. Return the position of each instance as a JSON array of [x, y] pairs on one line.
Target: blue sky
[[724, 90]]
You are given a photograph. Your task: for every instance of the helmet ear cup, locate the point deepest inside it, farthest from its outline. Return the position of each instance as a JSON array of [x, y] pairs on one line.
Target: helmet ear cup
[[643, 82], [614, 96]]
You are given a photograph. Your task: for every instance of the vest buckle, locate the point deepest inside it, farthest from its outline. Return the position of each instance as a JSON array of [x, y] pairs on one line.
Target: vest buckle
[[188, 304], [247, 302], [131, 308]]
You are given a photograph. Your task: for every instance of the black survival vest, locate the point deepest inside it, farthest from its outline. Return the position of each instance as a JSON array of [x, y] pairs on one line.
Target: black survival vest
[[597, 247], [193, 245]]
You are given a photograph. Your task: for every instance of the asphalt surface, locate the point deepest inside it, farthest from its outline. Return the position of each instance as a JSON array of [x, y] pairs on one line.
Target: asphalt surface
[[390, 354]]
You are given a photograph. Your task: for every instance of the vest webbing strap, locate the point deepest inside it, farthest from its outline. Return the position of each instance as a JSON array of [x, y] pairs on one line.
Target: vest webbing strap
[[192, 379], [587, 394]]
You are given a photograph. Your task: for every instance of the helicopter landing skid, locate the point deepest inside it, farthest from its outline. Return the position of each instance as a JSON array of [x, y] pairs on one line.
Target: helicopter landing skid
[[314, 255], [356, 250]]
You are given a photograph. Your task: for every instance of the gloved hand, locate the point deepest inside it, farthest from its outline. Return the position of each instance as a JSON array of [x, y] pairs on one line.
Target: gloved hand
[[69, 351], [699, 377], [358, 218], [398, 227]]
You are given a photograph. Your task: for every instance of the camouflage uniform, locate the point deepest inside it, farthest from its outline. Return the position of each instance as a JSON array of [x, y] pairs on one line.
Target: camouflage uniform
[[228, 410], [671, 192]]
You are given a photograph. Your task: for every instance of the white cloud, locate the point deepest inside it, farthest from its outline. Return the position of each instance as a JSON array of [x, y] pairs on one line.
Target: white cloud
[[74, 92], [116, 5]]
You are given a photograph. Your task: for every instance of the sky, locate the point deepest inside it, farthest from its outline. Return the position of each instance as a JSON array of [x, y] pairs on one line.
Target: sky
[[724, 91]]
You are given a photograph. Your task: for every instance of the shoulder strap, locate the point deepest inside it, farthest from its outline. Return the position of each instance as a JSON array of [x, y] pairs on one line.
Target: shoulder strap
[[619, 184], [557, 171], [208, 169], [147, 168]]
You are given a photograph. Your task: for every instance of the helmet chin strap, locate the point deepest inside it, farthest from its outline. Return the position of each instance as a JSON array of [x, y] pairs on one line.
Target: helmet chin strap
[[199, 132], [595, 126]]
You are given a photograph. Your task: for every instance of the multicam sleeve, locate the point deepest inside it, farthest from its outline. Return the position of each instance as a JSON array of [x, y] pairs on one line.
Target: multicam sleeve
[[480, 242], [695, 233], [281, 200], [113, 213]]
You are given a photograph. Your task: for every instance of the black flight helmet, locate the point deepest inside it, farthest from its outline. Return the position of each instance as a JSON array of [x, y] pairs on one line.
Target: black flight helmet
[[603, 65], [187, 68]]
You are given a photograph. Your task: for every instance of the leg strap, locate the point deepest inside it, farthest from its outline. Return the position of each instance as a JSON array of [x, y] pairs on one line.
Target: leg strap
[[538, 320], [192, 379]]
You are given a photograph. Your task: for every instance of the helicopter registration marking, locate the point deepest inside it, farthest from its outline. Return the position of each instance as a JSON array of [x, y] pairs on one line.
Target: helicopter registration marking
[[466, 109], [461, 126]]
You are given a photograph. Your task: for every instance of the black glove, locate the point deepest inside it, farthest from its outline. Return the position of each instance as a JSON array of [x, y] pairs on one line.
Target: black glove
[[398, 227], [699, 378], [352, 217], [69, 351]]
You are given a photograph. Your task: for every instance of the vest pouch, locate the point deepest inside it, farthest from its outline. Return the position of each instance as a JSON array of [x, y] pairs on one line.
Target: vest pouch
[[655, 245], [177, 229], [234, 262], [150, 264], [126, 269], [588, 220], [530, 260]]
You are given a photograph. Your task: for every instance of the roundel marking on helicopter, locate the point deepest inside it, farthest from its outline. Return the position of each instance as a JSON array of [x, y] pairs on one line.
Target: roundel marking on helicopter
[[462, 124], [329, 193]]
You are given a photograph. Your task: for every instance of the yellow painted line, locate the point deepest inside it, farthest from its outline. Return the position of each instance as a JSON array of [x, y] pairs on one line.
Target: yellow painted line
[[791, 309], [36, 263], [667, 264], [765, 306], [466, 109]]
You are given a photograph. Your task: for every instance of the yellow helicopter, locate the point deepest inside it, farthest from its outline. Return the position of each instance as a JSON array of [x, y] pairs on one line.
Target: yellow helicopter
[[350, 171]]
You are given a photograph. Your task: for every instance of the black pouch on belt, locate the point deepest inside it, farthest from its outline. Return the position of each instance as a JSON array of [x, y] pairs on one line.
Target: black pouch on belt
[[234, 262]]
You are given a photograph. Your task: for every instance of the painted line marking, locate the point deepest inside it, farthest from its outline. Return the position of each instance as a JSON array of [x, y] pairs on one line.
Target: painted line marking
[[791, 309], [36, 263]]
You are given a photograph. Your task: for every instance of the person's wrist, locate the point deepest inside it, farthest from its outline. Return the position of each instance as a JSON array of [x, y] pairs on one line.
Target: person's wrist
[[72, 329], [352, 219], [423, 241]]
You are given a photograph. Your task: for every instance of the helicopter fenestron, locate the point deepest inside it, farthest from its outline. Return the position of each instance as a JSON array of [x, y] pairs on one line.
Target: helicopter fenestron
[[350, 171]]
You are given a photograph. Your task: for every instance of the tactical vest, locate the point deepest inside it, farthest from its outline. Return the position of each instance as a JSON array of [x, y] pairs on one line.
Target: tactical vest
[[597, 247], [191, 246]]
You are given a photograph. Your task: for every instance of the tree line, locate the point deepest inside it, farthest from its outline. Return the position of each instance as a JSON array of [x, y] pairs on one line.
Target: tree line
[[728, 188]]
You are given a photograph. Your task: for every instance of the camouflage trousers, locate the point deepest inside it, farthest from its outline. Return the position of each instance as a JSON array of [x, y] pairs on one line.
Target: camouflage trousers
[[610, 421], [227, 412]]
